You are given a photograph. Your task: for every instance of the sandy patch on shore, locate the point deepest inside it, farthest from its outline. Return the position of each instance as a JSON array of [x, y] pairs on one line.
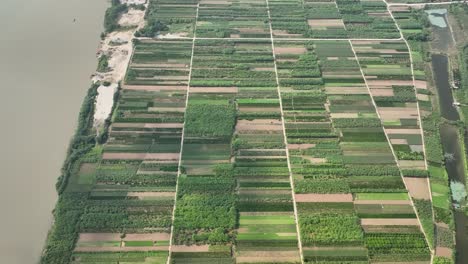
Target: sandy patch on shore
[[132, 18], [104, 103]]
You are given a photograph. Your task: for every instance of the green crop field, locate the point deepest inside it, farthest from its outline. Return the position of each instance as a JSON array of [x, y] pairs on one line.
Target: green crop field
[[252, 131]]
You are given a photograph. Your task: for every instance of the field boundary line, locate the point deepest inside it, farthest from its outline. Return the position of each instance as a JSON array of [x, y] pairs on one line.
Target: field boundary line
[[285, 138], [277, 39], [419, 119], [425, 4], [393, 152], [182, 138]]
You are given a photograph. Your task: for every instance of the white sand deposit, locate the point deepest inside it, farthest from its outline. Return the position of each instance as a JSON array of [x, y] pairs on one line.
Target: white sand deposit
[[104, 103]]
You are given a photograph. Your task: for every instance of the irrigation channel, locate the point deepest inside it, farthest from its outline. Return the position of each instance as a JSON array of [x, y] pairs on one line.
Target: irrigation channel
[[451, 144]]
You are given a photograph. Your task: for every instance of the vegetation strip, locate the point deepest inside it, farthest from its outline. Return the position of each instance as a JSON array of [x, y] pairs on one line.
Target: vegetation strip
[[388, 140], [179, 166], [285, 138]]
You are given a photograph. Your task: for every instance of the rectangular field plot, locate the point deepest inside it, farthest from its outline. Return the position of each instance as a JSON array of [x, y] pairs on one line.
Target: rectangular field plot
[[233, 18], [179, 16], [267, 238], [367, 19], [160, 63], [338, 149], [120, 257], [331, 19], [131, 180], [386, 67]]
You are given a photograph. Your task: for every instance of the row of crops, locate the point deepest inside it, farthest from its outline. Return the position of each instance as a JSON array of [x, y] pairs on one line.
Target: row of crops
[[332, 19], [349, 192], [130, 181], [248, 151], [415, 28], [289, 18]]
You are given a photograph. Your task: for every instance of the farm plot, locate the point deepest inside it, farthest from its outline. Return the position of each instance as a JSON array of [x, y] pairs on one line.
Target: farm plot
[[414, 25], [367, 19], [337, 147], [233, 18], [331, 19], [174, 18], [239, 77], [386, 66], [131, 179]]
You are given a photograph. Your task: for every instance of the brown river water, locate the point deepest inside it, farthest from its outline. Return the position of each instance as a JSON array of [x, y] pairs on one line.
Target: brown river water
[[45, 63]]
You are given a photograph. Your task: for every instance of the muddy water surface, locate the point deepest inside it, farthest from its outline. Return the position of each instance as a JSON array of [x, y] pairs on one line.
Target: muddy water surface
[[46, 61]]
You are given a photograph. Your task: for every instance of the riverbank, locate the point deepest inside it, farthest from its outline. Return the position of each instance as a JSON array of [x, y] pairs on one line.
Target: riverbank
[[445, 67], [114, 54]]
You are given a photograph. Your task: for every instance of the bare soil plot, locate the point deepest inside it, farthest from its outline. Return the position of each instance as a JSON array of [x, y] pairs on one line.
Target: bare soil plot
[[147, 237], [300, 146], [290, 50], [346, 90], [140, 156], [284, 33], [316, 160], [243, 191], [164, 125], [167, 109], [420, 84], [194, 248], [324, 198], [423, 97], [406, 131], [150, 194], [87, 168], [382, 92], [389, 222], [412, 164], [325, 23], [383, 202], [258, 109], [443, 252], [418, 188], [268, 257], [344, 115], [259, 124], [389, 83], [399, 141], [396, 113], [93, 237], [154, 88], [132, 18], [121, 249], [214, 90]]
